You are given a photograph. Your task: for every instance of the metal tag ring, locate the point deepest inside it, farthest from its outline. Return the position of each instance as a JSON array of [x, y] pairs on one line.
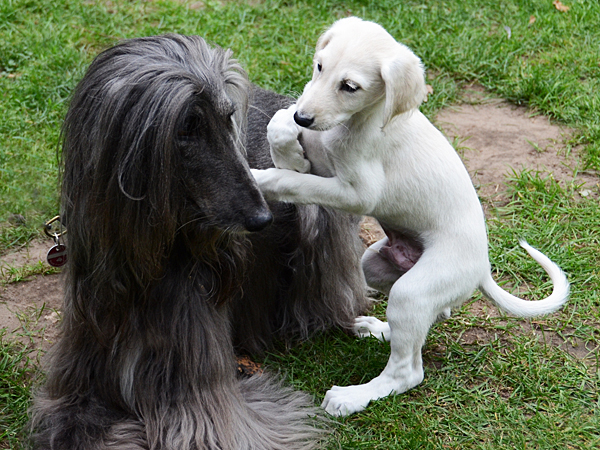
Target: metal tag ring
[[48, 228]]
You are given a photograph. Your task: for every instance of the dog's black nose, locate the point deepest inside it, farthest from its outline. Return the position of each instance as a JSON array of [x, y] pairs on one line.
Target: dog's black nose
[[302, 120], [259, 222]]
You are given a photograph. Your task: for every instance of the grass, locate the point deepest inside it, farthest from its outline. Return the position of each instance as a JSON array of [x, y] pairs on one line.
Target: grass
[[17, 371], [14, 274], [511, 391], [508, 388]]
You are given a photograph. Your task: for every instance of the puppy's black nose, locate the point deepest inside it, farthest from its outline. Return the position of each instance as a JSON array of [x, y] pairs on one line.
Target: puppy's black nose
[[259, 221], [303, 120]]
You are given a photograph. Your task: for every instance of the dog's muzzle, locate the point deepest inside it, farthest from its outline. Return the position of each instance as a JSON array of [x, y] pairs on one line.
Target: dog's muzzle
[[303, 120]]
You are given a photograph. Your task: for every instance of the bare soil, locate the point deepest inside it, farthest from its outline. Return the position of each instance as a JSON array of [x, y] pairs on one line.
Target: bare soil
[[30, 310], [494, 137]]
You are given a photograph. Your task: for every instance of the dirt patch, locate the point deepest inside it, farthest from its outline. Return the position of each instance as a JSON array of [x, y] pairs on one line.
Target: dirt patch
[[34, 252], [30, 310], [494, 137], [370, 231]]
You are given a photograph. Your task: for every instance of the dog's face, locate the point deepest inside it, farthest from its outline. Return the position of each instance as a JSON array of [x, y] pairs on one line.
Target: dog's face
[[359, 67], [153, 148], [214, 172]]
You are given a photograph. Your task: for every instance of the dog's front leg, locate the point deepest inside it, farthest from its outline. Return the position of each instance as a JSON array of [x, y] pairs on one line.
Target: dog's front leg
[[289, 186]]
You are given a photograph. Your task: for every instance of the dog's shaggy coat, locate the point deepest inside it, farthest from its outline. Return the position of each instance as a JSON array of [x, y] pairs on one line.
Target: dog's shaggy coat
[[165, 281]]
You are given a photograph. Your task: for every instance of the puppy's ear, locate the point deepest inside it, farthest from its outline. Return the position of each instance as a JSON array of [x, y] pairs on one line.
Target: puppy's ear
[[404, 79], [324, 39]]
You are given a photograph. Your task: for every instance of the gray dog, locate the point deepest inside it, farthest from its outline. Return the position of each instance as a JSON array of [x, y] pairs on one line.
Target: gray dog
[[176, 262]]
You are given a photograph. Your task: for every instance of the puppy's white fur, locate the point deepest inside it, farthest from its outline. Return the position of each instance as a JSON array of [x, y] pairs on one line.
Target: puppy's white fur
[[390, 162]]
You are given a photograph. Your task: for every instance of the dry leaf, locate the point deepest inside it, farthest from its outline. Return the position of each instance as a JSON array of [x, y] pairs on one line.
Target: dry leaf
[[558, 5], [247, 367], [531, 20], [53, 317], [429, 91]]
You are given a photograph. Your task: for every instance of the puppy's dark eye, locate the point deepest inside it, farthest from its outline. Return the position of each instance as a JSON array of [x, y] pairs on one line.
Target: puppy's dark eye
[[349, 86], [319, 67]]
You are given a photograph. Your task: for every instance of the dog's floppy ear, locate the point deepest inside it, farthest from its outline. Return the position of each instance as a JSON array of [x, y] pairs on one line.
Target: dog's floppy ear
[[404, 79], [324, 39]]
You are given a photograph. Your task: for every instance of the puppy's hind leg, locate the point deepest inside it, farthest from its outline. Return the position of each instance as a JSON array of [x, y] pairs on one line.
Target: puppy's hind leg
[[380, 275], [383, 264], [409, 319], [415, 302], [367, 326], [381, 272]]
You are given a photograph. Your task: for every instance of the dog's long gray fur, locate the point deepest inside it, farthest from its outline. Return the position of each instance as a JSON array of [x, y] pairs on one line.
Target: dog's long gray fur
[[164, 281]]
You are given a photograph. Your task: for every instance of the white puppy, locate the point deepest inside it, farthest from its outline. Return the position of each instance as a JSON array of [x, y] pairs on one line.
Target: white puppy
[[390, 162]]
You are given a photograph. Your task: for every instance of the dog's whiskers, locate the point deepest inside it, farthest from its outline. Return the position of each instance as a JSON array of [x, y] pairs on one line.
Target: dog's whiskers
[[260, 110]]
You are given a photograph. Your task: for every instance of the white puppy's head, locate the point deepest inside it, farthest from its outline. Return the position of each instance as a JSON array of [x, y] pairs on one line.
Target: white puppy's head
[[359, 68]]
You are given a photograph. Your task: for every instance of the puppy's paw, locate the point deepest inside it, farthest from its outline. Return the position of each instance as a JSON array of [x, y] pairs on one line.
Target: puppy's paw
[[365, 326], [342, 401], [290, 157], [267, 181], [278, 184], [282, 128], [282, 134]]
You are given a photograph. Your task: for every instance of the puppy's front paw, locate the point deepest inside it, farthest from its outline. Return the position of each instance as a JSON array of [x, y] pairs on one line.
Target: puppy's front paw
[[290, 157], [282, 128], [265, 180], [343, 401], [282, 134], [271, 182], [365, 326]]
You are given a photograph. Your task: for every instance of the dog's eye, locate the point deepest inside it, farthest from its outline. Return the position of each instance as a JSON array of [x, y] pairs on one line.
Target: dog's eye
[[319, 67], [190, 127], [349, 86], [187, 130]]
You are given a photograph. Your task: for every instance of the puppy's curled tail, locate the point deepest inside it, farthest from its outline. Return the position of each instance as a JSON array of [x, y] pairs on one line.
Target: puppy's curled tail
[[524, 308]]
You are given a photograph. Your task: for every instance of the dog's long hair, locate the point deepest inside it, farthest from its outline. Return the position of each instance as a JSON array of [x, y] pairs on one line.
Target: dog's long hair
[[165, 281]]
